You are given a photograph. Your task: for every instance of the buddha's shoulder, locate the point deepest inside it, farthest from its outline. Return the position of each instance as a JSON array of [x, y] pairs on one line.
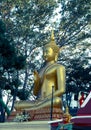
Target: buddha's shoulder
[[59, 66], [54, 67]]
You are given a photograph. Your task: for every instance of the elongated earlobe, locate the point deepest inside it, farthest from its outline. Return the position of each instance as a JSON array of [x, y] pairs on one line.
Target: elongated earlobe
[[56, 57]]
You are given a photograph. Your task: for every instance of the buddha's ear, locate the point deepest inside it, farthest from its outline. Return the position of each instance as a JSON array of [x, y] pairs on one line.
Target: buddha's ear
[[56, 57]]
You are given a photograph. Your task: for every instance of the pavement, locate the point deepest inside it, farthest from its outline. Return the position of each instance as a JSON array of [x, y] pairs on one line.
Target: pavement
[[33, 125]]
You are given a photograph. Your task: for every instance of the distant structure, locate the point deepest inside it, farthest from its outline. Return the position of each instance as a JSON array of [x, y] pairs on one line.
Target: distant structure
[[83, 118]]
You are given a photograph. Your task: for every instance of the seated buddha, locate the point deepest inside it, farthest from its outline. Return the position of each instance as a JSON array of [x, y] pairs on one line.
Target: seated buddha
[[51, 79]]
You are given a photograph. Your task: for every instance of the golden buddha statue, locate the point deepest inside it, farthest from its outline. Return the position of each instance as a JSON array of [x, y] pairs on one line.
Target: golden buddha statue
[[51, 76]]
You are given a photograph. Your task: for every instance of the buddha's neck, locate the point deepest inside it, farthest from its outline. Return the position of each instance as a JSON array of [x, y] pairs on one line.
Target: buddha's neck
[[51, 62]]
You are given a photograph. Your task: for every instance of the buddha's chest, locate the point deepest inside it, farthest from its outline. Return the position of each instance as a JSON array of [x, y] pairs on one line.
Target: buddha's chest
[[48, 73]]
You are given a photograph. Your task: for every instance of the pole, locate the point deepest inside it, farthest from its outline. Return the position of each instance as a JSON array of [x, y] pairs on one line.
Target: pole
[[51, 104]]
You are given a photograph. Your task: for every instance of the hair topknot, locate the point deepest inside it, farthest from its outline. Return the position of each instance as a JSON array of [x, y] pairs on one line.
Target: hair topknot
[[52, 44]]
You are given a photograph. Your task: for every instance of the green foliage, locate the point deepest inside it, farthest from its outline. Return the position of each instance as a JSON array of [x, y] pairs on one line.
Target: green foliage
[[10, 62], [2, 28], [28, 23], [75, 31], [20, 62], [5, 106], [78, 68], [76, 15], [2, 82], [23, 95]]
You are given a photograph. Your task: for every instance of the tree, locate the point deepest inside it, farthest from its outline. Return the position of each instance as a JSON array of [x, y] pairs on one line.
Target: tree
[[75, 27], [25, 22], [76, 15], [29, 23], [9, 65]]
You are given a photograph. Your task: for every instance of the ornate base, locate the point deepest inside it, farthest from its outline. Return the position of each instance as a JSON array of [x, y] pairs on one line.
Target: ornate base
[[40, 114], [45, 114]]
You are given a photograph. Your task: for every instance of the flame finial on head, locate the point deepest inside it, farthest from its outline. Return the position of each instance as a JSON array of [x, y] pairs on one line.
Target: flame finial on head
[[53, 44], [52, 35]]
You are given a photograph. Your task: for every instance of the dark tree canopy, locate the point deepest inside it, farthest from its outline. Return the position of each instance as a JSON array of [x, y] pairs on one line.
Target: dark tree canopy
[[29, 23], [10, 63]]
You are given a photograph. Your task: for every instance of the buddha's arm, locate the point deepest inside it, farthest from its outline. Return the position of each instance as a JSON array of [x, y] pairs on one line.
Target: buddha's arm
[[60, 81], [36, 83]]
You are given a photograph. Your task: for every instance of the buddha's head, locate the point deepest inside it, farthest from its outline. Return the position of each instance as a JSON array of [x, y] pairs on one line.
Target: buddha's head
[[51, 50]]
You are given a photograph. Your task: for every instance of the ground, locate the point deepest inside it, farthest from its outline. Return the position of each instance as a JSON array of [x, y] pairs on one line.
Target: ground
[[33, 125]]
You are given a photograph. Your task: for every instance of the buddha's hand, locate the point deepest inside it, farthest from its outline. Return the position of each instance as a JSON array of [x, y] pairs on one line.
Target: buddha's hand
[[36, 83]]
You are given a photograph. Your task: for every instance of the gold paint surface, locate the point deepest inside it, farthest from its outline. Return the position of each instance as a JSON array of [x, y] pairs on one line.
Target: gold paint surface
[[52, 75]]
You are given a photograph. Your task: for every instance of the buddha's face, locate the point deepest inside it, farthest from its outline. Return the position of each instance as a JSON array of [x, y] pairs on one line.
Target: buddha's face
[[49, 54]]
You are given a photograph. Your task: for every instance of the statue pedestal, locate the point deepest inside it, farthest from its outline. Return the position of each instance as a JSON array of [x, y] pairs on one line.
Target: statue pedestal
[[39, 114], [45, 114]]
